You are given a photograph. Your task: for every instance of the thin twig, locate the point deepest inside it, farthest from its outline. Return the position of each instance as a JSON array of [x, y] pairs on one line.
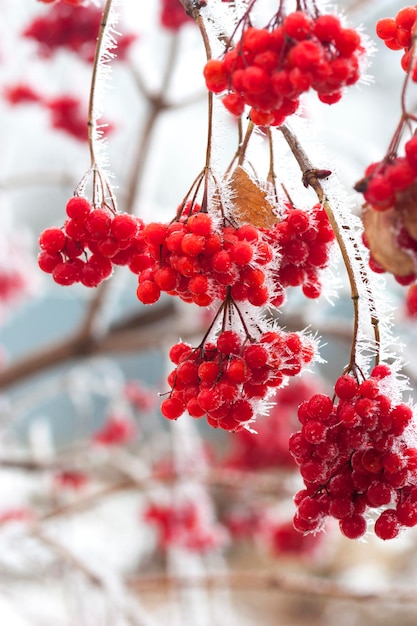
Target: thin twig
[[310, 178], [257, 581]]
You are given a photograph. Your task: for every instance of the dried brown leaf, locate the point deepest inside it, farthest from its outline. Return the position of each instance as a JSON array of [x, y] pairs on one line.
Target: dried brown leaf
[[406, 204], [380, 228], [251, 205]]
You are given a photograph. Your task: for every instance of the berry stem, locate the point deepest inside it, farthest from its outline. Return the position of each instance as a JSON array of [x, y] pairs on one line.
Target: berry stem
[[98, 59], [192, 7], [311, 179], [244, 145], [271, 178]]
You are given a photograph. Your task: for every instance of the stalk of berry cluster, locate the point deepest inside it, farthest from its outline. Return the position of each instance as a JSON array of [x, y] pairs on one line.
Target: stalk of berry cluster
[[362, 295], [100, 73]]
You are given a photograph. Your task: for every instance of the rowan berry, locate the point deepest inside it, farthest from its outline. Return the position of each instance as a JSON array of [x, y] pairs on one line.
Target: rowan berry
[[386, 28], [297, 25], [411, 300], [387, 525], [148, 292], [353, 526], [406, 17], [67, 273], [52, 240], [48, 261], [78, 208], [172, 408], [217, 79]]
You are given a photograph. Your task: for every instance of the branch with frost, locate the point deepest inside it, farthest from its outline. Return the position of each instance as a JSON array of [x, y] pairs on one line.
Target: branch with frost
[[362, 294]]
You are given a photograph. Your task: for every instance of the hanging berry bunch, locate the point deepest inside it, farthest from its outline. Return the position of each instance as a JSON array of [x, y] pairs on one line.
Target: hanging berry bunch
[[197, 261], [304, 240], [172, 15], [71, 25], [355, 456], [91, 242], [398, 33], [228, 379], [389, 186], [270, 68]]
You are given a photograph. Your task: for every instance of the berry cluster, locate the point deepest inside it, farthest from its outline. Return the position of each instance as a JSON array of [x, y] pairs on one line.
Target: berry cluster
[[21, 93], [73, 3], [117, 430], [197, 262], [304, 239], [269, 69], [172, 15], [354, 456], [386, 183], [100, 236], [75, 31], [73, 480], [67, 113], [390, 187], [184, 524], [397, 34], [228, 380]]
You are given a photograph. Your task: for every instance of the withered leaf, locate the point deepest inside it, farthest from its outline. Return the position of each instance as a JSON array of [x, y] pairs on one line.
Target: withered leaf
[[380, 229], [406, 204], [249, 200]]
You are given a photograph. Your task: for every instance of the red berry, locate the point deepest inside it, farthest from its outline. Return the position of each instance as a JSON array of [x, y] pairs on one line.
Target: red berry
[[172, 408], [297, 25], [217, 79], [406, 18], [124, 226], [411, 300], [353, 527], [52, 240], [229, 342], [387, 525], [148, 292], [78, 208], [386, 28]]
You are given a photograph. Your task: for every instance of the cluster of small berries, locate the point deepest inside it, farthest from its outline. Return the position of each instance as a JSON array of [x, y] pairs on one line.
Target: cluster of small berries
[[387, 182], [227, 380], [270, 69], [73, 480], [117, 430], [102, 237], [140, 397], [304, 239], [75, 31], [398, 34], [354, 457], [67, 113], [390, 187], [184, 524], [193, 260], [172, 15], [72, 3]]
